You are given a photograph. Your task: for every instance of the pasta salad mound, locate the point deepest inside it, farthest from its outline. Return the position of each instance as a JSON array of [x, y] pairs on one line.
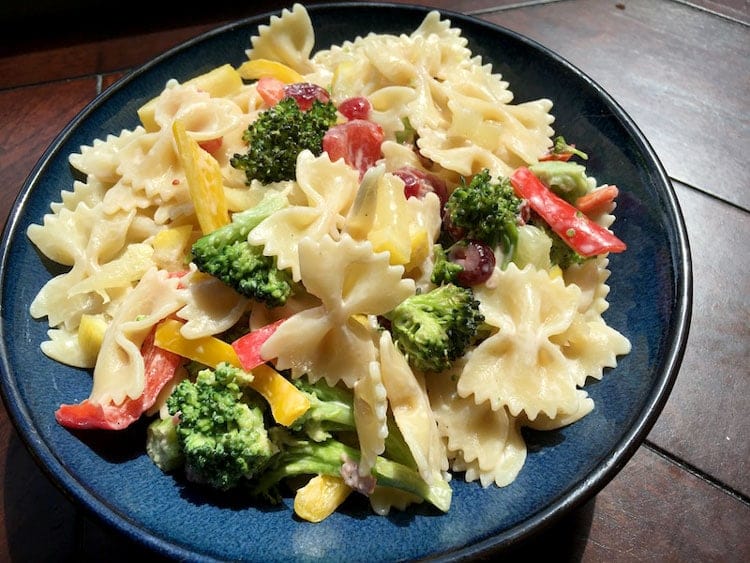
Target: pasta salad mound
[[361, 270]]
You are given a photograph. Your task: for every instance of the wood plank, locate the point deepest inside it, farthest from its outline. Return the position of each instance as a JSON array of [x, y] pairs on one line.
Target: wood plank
[[30, 118], [679, 72], [86, 50], [31, 507], [735, 9], [700, 422], [653, 510]]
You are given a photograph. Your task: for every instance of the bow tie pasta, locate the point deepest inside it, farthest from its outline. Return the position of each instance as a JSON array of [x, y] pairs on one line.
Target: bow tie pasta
[[367, 265]]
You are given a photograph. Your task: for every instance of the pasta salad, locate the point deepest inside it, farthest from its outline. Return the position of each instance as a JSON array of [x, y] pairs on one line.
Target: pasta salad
[[358, 270]]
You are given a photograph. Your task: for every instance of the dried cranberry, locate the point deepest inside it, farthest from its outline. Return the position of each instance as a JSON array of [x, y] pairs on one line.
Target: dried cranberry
[[305, 93], [418, 183], [355, 108], [477, 260]]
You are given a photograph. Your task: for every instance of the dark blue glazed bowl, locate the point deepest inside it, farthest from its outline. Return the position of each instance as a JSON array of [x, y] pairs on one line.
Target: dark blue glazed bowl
[[650, 300]]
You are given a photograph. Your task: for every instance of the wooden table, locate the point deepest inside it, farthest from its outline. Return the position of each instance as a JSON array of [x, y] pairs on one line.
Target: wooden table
[[680, 69]]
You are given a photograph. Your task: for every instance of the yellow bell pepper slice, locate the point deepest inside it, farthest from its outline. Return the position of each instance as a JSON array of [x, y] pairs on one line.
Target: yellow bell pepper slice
[[220, 82], [90, 335], [258, 68], [287, 402], [204, 179], [391, 228], [171, 245], [207, 350], [320, 497]]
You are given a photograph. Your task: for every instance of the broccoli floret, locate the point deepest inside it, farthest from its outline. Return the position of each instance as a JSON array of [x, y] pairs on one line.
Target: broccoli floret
[[444, 270], [566, 179], [278, 135], [162, 445], [220, 428], [226, 254], [561, 146], [435, 328], [331, 457], [485, 210]]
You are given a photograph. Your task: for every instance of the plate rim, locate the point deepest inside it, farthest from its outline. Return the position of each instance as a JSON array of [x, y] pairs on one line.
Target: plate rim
[[580, 492]]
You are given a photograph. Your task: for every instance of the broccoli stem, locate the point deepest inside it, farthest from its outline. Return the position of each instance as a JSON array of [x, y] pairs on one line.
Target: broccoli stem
[[314, 458]]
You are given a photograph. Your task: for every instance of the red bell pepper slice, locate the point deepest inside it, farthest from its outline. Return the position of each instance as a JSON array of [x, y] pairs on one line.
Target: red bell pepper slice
[[579, 232], [160, 367], [248, 346]]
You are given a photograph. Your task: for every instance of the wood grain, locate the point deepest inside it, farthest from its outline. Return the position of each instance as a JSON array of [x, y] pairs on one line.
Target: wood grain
[[680, 69], [681, 75]]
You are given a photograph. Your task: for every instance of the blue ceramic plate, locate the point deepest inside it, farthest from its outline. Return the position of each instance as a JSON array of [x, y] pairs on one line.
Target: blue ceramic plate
[[650, 304]]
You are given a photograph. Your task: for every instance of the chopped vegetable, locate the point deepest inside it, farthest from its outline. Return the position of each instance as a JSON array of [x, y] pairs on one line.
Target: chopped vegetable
[[320, 497], [598, 200], [287, 404], [204, 180], [259, 68], [159, 368], [579, 232]]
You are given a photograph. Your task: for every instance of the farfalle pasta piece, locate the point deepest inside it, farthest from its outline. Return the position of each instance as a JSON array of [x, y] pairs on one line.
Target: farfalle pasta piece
[[119, 370], [542, 422], [487, 444], [288, 39], [63, 346], [370, 417], [328, 341], [205, 117], [591, 278], [328, 188], [101, 158], [520, 366], [123, 271], [412, 411], [591, 345], [63, 236], [211, 306]]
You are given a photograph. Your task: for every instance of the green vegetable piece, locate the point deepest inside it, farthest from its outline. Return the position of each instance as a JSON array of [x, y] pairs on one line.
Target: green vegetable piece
[[434, 329], [444, 270], [278, 135], [486, 210], [221, 429], [162, 445], [561, 146], [226, 254], [566, 179], [302, 457]]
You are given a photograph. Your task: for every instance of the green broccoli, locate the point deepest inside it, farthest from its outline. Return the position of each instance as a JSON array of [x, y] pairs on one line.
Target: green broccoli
[[560, 253], [435, 328], [223, 440], [163, 446], [444, 270], [566, 179], [332, 457], [330, 410], [278, 135], [486, 211], [561, 146], [226, 254], [220, 428]]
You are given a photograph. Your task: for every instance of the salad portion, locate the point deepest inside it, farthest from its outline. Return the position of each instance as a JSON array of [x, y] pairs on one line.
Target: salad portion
[[356, 271]]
